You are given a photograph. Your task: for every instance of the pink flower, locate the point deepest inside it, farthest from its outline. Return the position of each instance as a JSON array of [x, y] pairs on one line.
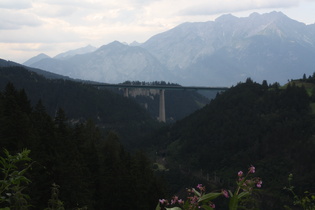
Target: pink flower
[[193, 200], [162, 201], [225, 193], [259, 183], [251, 169], [174, 200], [212, 205], [240, 173], [201, 188], [180, 201]]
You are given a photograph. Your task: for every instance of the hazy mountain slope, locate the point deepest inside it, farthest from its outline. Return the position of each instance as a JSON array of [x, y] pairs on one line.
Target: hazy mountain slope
[[59, 66], [35, 59], [70, 53], [113, 63]]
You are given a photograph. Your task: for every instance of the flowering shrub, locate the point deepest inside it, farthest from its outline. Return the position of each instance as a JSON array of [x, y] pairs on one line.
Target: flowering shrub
[[245, 186], [307, 201], [198, 199]]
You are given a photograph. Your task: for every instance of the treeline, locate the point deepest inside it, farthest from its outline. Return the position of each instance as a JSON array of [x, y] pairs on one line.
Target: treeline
[[92, 171], [266, 125]]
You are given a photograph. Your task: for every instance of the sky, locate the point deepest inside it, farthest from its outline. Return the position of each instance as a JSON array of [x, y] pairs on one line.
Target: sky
[[31, 27]]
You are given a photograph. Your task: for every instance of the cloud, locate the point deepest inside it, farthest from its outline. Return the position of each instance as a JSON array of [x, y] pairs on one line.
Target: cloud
[[16, 20], [15, 4], [229, 6], [53, 11]]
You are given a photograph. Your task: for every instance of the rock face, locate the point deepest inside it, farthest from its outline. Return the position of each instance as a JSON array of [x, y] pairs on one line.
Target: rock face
[[223, 52]]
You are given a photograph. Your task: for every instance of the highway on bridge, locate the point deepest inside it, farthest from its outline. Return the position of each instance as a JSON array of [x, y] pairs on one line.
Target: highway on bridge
[[161, 89], [164, 87]]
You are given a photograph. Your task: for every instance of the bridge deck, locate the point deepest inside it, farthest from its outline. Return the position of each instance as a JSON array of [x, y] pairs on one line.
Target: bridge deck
[[165, 87]]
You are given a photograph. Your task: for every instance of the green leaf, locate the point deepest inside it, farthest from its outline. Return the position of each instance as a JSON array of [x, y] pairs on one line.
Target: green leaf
[[196, 192], [231, 194], [209, 196], [242, 194], [2, 161], [158, 206], [233, 204]]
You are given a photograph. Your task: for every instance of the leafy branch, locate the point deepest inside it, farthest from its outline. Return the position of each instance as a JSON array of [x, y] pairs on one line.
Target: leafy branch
[[13, 169]]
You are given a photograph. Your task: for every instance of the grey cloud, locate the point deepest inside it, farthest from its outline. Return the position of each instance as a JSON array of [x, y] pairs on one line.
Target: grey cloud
[[16, 20], [228, 7], [56, 11], [73, 3], [37, 35], [124, 16], [15, 4], [143, 2]]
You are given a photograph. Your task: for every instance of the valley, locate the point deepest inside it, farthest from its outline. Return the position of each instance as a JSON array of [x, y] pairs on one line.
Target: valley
[[99, 147]]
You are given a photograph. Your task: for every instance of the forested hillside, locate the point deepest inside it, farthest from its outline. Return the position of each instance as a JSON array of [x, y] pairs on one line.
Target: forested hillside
[[268, 126], [46, 74], [93, 172], [107, 109]]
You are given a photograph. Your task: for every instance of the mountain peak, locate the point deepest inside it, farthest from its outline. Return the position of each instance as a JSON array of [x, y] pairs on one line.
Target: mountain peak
[[135, 43], [270, 17], [277, 14], [114, 44], [35, 59], [226, 18], [71, 53]]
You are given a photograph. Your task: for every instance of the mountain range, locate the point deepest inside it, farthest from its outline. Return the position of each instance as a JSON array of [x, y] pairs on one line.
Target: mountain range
[[223, 52]]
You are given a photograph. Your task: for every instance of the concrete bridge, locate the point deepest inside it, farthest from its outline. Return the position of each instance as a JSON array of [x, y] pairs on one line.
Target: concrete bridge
[[161, 89]]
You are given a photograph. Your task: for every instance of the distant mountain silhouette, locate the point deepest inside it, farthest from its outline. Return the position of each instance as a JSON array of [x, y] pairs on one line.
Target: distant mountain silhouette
[[268, 46]]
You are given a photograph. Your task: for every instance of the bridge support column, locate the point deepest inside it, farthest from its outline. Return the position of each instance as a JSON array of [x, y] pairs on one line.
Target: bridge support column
[[162, 106], [126, 94]]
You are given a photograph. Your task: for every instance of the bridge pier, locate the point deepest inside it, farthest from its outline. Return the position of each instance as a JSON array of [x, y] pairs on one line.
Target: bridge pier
[[126, 93], [162, 106], [161, 89]]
